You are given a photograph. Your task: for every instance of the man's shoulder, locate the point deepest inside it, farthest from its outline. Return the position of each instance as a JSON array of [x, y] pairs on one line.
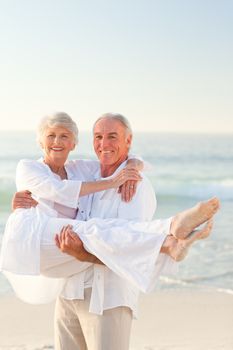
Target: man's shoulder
[[145, 184], [143, 204], [145, 192]]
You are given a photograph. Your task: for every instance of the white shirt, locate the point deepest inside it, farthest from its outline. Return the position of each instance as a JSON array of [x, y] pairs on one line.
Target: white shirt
[[108, 289], [21, 242], [25, 226]]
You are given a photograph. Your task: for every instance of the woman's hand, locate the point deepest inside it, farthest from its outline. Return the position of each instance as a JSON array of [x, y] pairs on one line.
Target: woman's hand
[[129, 187], [128, 190], [135, 163], [126, 174]]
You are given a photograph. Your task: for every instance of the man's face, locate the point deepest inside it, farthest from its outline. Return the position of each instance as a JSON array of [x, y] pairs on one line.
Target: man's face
[[111, 142]]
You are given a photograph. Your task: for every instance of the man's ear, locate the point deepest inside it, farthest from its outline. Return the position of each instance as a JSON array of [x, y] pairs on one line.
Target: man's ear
[[129, 140]]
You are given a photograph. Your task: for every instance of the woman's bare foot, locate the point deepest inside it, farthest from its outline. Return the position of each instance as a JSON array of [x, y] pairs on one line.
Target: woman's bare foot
[[186, 221], [177, 249]]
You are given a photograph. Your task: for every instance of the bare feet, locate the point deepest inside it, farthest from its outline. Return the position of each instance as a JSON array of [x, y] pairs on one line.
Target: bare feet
[[186, 221], [177, 249]]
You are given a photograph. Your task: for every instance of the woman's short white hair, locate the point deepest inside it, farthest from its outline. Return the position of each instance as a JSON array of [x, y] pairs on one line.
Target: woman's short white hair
[[57, 119], [116, 116]]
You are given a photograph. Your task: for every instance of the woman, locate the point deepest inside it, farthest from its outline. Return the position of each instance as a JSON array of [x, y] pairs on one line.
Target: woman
[[28, 245]]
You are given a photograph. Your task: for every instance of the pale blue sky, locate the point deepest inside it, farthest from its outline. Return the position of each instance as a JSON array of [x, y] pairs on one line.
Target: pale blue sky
[[167, 65]]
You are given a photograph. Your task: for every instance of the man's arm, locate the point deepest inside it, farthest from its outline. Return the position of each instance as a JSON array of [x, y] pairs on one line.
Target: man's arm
[[141, 208], [23, 199], [69, 243]]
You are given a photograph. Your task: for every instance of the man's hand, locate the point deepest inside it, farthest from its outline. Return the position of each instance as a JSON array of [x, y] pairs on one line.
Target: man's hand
[[69, 242], [23, 199]]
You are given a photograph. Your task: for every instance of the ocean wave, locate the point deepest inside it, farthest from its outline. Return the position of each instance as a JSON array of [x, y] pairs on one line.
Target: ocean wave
[[197, 279], [7, 181], [7, 189], [223, 190], [211, 283], [189, 189]]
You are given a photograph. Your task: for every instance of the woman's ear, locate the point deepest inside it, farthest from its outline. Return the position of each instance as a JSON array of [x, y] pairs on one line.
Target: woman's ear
[[74, 145]]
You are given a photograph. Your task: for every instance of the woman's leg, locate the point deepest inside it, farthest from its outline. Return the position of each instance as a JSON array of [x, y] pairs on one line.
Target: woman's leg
[[54, 263], [130, 249]]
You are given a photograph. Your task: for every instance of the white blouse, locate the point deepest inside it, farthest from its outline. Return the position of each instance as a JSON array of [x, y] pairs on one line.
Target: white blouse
[[118, 243]]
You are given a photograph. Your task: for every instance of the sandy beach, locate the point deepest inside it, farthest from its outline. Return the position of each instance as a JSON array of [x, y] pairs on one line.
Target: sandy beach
[[170, 320]]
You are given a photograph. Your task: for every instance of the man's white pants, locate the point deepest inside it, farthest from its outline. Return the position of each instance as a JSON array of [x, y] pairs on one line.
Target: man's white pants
[[78, 329]]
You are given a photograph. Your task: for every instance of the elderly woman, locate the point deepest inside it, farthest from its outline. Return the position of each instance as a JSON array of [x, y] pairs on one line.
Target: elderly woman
[[29, 248]]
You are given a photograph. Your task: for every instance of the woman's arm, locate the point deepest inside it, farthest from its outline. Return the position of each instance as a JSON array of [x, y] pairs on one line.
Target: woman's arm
[[37, 178], [135, 163], [113, 182], [127, 188]]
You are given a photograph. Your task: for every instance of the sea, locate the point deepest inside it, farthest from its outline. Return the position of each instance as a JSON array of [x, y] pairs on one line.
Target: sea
[[184, 169]]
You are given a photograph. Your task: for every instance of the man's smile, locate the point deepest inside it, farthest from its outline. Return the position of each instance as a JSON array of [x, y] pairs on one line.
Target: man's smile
[[56, 149]]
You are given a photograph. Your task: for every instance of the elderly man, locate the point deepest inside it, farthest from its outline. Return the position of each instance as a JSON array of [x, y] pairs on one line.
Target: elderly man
[[96, 306], [112, 301]]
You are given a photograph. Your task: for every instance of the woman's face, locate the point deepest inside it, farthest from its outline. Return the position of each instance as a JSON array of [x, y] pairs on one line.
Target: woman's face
[[57, 142]]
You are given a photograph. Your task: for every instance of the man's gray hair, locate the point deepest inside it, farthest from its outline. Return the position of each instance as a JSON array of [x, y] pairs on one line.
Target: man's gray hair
[[57, 119], [116, 116]]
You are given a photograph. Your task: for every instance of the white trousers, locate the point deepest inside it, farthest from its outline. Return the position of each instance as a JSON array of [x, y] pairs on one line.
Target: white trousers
[[77, 329]]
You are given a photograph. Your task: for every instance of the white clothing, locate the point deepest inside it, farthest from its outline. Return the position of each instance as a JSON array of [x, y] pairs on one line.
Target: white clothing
[[64, 211], [22, 239], [25, 226], [20, 253], [76, 328], [109, 289]]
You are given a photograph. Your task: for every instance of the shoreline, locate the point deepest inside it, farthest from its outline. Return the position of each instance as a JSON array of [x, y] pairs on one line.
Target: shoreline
[[168, 320]]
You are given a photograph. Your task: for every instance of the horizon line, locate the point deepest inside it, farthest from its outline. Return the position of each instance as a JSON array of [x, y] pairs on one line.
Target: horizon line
[[140, 131]]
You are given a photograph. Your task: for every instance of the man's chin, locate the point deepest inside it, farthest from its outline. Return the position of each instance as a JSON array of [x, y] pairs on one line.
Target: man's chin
[[107, 160]]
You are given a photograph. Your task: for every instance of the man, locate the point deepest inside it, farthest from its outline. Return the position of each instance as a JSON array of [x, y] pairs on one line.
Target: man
[[102, 321], [114, 309], [96, 307]]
